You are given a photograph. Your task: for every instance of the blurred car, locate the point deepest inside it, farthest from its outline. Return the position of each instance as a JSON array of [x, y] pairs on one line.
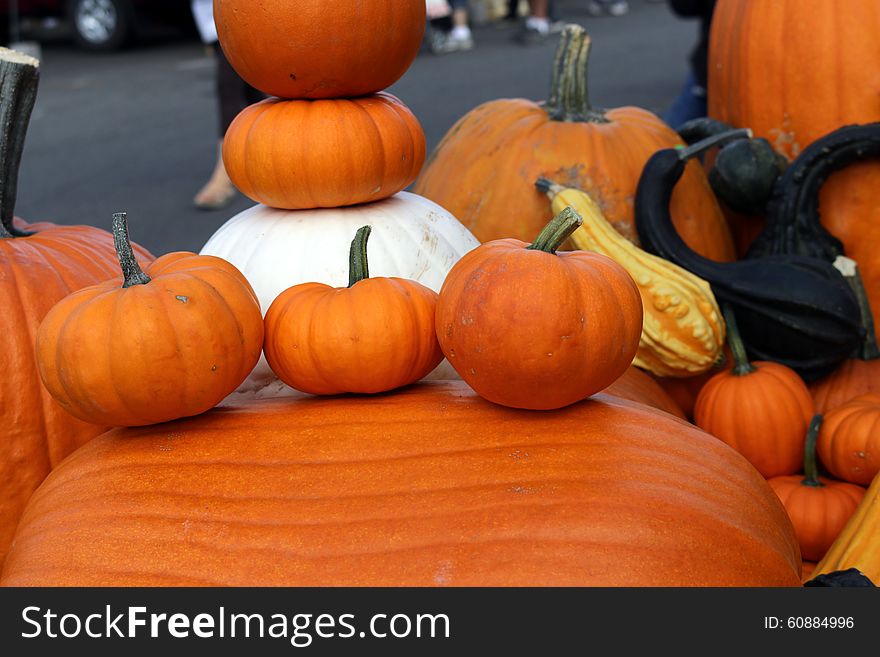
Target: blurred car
[[101, 24]]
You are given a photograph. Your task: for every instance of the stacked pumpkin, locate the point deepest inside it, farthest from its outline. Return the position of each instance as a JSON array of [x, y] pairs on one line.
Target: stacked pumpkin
[[328, 152]]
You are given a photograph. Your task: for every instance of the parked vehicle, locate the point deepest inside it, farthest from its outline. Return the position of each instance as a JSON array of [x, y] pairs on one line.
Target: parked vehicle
[[100, 24]]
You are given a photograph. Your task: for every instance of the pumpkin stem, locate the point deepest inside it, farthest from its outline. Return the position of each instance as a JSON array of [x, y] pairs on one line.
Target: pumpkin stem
[[569, 100], [358, 268], [19, 77], [741, 364], [688, 152], [811, 469], [557, 231], [131, 270], [850, 271]]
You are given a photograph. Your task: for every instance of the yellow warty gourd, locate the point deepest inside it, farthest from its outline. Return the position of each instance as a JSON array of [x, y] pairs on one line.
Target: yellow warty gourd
[[683, 331], [858, 545]]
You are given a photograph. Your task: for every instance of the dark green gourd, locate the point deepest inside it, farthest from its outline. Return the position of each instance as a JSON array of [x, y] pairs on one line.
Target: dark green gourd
[[793, 224], [745, 170], [794, 310]]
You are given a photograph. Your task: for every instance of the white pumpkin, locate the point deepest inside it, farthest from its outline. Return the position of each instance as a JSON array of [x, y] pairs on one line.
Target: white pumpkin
[[412, 237]]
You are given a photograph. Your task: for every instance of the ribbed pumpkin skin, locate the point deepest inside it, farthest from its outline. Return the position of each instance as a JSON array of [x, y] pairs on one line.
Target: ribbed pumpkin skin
[[401, 490], [793, 71], [858, 545], [818, 514], [374, 336], [763, 415], [301, 154], [317, 48], [853, 378], [484, 170], [530, 329], [151, 353], [636, 385], [849, 441], [36, 272]]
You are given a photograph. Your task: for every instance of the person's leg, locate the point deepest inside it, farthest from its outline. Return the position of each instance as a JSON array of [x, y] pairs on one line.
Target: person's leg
[[690, 104], [459, 37], [537, 25]]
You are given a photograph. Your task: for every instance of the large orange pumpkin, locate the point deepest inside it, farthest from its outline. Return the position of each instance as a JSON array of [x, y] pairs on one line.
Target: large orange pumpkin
[[168, 342], [40, 264], [428, 486], [793, 71], [300, 154], [320, 48], [531, 328], [484, 169]]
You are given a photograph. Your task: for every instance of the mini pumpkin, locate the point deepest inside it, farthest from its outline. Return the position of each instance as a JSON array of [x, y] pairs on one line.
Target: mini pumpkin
[[849, 444], [300, 154], [819, 507], [761, 409], [168, 342], [527, 327], [320, 49], [375, 335]]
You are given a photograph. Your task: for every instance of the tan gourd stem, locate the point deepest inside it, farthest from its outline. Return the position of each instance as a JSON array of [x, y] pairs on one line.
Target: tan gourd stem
[[358, 267], [811, 469], [19, 78], [131, 270], [741, 364], [569, 100], [557, 231]]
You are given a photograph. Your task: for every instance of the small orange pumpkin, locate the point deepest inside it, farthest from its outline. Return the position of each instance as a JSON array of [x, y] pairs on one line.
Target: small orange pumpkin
[[761, 409], [167, 343], [527, 327], [299, 154], [375, 335], [819, 508], [320, 48], [849, 444]]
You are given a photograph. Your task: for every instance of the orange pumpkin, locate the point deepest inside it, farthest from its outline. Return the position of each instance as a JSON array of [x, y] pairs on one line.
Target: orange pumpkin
[[40, 264], [531, 328], [167, 343], [483, 171], [428, 486], [636, 385], [849, 444], [320, 49], [298, 154], [761, 409], [793, 71], [819, 508], [375, 335]]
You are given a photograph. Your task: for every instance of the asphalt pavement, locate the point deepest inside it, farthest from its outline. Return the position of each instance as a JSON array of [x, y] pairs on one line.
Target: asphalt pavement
[[135, 130]]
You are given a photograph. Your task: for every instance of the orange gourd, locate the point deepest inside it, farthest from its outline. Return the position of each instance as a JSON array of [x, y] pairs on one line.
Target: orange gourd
[[375, 335], [320, 49], [531, 328], [794, 71], [40, 264], [849, 443], [819, 507], [164, 343], [299, 154], [761, 409], [484, 169], [427, 486]]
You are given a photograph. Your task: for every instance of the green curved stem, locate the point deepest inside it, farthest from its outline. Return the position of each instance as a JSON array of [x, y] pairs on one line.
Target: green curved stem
[[869, 350], [741, 364], [557, 231], [358, 267], [131, 270], [569, 100], [811, 469], [19, 77], [688, 152]]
